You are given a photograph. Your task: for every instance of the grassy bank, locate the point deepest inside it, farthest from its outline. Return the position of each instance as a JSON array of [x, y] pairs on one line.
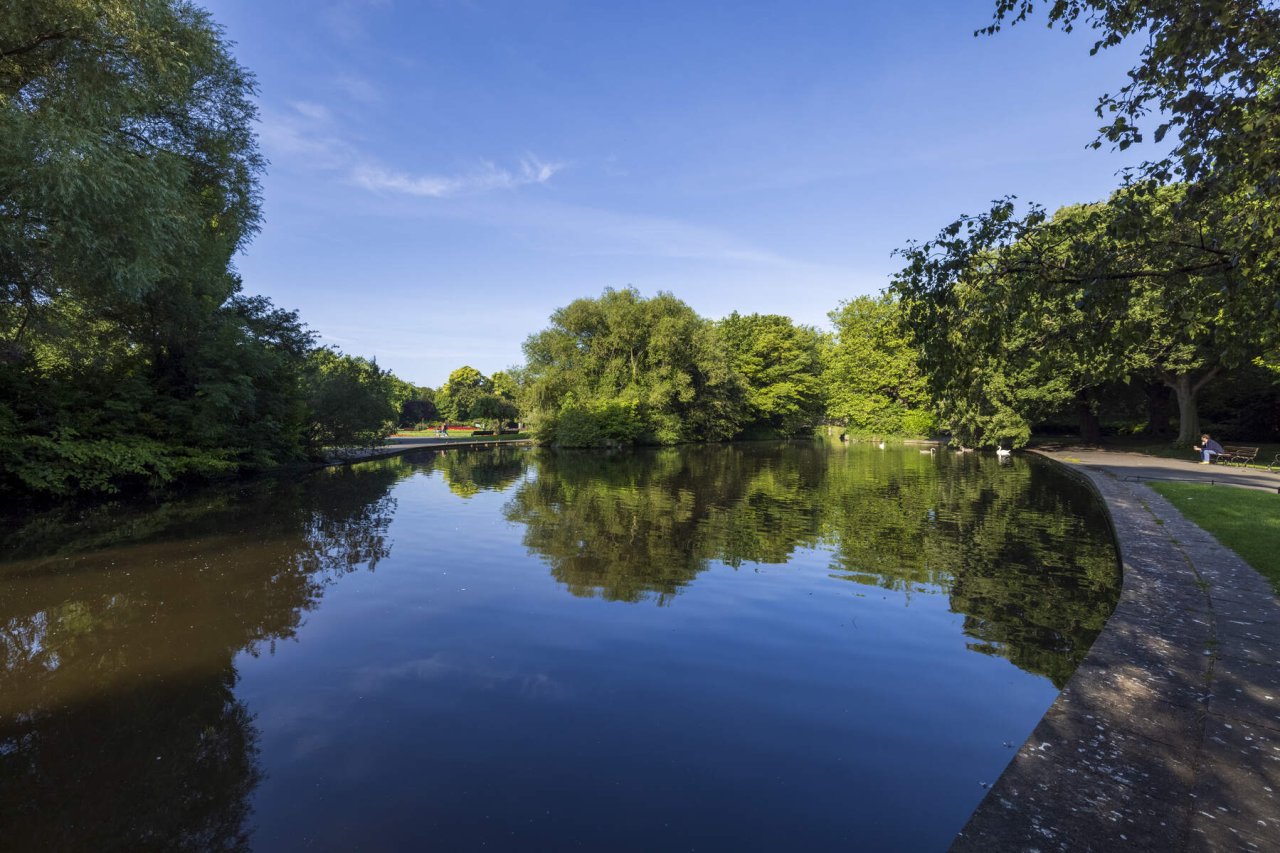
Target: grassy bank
[[1244, 520]]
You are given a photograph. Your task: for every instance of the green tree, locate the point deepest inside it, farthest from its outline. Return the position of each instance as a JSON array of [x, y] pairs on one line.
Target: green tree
[[507, 383], [1050, 310], [493, 411], [459, 394], [127, 156], [623, 368], [781, 365], [352, 402], [874, 385], [1209, 73], [129, 170], [417, 405]]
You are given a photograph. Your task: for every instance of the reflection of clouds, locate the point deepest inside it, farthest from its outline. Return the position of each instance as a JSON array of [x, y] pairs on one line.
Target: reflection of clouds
[[442, 666]]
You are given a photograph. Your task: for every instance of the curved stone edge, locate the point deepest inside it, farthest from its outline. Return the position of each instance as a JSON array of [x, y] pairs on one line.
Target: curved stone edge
[[1168, 735], [386, 450]]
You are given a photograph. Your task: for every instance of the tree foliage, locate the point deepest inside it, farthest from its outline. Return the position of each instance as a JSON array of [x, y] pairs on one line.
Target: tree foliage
[[1209, 72], [781, 366], [128, 180], [1018, 316], [625, 369], [458, 396], [351, 400], [874, 385]]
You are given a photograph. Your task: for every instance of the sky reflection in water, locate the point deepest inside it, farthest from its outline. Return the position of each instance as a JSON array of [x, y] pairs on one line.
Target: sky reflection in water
[[737, 647]]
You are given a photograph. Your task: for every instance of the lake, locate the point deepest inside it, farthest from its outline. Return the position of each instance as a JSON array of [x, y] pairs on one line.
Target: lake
[[761, 646]]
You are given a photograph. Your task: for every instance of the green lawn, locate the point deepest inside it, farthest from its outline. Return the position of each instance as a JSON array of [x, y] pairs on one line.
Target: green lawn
[[1245, 520]]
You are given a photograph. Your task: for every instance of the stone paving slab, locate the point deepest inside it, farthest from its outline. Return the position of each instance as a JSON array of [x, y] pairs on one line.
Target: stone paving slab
[[1168, 735]]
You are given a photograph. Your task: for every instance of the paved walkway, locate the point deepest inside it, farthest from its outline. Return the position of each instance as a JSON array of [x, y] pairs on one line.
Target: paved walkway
[[1135, 466], [396, 445], [1168, 735]]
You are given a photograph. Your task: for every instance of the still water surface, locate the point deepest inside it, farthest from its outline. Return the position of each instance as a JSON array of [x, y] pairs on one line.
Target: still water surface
[[748, 647]]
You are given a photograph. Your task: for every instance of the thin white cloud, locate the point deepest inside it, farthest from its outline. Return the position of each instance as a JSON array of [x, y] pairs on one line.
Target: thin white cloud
[[349, 20], [487, 177], [577, 230], [359, 89], [303, 135], [312, 110]]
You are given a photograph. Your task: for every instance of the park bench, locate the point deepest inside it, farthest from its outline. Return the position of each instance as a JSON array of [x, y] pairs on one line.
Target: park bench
[[1241, 456], [1274, 464]]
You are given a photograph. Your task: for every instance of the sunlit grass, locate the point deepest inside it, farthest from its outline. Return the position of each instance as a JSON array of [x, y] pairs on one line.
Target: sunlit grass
[[1245, 520]]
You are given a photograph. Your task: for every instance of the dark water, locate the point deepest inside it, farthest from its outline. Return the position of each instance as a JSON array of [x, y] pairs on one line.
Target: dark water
[[751, 647]]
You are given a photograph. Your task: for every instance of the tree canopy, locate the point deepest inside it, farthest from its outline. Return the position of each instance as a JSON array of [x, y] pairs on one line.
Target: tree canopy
[[1018, 315], [128, 180], [874, 385], [623, 368], [781, 366]]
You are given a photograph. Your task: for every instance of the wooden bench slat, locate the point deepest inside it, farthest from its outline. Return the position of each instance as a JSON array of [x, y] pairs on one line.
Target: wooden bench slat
[[1237, 454]]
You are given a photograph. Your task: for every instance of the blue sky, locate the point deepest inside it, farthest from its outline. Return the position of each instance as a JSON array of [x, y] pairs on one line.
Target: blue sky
[[445, 173]]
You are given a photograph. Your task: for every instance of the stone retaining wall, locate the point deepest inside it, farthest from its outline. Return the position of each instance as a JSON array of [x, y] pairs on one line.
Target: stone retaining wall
[[1168, 735]]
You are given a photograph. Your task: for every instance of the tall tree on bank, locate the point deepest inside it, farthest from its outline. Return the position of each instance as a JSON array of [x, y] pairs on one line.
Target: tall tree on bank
[[127, 158], [781, 366], [351, 400], [459, 394], [1053, 309], [626, 369], [128, 180], [874, 385]]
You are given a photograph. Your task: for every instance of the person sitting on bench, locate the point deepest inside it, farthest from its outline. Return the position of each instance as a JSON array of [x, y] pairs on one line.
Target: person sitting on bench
[[1208, 449]]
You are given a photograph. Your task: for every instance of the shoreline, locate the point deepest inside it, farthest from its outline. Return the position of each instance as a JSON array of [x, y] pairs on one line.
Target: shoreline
[[1167, 737]]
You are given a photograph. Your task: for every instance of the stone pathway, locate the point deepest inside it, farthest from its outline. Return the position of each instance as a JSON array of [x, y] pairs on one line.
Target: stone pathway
[[1135, 466], [1168, 735], [395, 446]]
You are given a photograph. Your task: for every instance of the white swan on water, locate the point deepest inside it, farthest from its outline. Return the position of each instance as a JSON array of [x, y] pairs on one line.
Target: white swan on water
[[1003, 451]]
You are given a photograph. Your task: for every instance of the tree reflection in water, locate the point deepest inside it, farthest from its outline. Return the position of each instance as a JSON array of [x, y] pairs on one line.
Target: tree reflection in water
[[119, 727], [1024, 553], [119, 722]]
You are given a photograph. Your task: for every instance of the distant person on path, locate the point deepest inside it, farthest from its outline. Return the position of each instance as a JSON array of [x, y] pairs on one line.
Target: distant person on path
[[1208, 449]]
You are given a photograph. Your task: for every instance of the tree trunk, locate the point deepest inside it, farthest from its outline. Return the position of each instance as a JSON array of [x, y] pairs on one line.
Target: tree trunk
[[1090, 429], [1158, 409], [1188, 414]]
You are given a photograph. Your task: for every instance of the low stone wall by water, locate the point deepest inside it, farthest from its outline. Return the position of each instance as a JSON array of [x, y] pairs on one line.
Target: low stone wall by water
[[1168, 735]]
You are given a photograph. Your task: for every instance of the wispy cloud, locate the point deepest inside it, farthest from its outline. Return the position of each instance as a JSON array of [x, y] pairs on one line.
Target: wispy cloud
[[303, 134], [308, 135], [312, 110], [348, 20], [570, 229], [359, 89], [486, 177]]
